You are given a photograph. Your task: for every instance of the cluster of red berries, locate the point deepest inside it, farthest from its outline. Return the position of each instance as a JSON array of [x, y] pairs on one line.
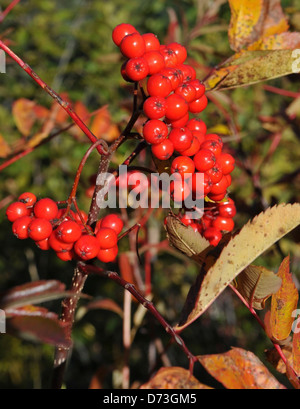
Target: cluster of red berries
[[67, 234], [173, 93]]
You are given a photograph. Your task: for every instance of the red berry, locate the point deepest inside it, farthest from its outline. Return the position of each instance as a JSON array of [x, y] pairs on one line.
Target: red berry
[[226, 161], [137, 68], [169, 55], [187, 71], [29, 199], [107, 238], [87, 247], [199, 87], [213, 235], [183, 165], [46, 209], [181, 138], [108, 255], [155, 107], [20, 227], [217, 197], [155, 61], [163, 150], [176, 107], [39, 229], [214, 146], [180, 52], [58, 245], [204, 160], [198, 105], [68, 231], [196, 124], [121, 31], [16, 210], [66, 255], [215, 173], [223, 223], [200, 186], [178, 123], [200, 136], [186, 220], [155, 131], [227, 209], [151, 42], [186, 91], [179, 190], [193, 149], [159, 85], [113, 221], [220, 187], [43, 244], [133, 45], [214, 137], [173, 75]]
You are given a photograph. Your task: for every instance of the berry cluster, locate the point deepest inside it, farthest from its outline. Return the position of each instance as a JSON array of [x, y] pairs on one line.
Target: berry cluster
[[64, 232], [173, 93]]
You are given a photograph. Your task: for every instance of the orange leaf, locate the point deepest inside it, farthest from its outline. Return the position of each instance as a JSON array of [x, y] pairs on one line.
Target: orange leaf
[[253, 20], [4, 148], [174, 378], [102, 126], [82, 111], [239, 369], [282, 41], [284, 302], [296, 352], [24, 115]]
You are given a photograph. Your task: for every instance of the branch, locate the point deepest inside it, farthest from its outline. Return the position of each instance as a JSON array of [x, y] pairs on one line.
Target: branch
[[8, 9]]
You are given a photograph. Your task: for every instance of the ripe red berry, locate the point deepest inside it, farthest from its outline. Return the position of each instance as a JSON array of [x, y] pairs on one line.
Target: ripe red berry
[[226, 161], [223, 223], [121, 31], [68, 231], [200, 136], [133, 45], [215, 173], [163, 150], [87, 247], [214, 146], [186, 91], [198, 105], [112, 221], [137, 68], [196, 124], [66, 255], [193, 149], [155, 61], [199, 87], [179, 190], [155, 107], [220, 187], [173, 75], [169, 55], [20, 227], [159, 85], [204, 160], [178, 123], [183, 165], [227, 209], [155, 131], [39, 229], [151, 42], [46, 209], [200, 186], [16, 210], [180, 52], [176, 107], [213, 235], [43, 244], [181, 138], [29, 199], [187, 71], [58, 245], [107, 237], [214, 137], [108, 255]]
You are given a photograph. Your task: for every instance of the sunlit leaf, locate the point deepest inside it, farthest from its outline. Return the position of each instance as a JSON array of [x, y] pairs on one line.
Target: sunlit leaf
[[284, 302], [5, 149], [296, 352], [239, 369], [174, 378], [24, 115], [252, 240]]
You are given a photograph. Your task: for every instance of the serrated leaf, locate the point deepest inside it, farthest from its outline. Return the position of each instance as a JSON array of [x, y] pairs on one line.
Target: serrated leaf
[[256, 284], [239, 369], [173, 378], [284, 302], [252, 240]]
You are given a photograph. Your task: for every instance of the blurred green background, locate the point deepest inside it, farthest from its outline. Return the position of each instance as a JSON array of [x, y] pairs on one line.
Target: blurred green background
[[69, 45]]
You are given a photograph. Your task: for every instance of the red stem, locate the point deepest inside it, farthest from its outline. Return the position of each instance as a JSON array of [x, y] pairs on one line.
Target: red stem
[[282, 92], [64, 104], [8, 9]]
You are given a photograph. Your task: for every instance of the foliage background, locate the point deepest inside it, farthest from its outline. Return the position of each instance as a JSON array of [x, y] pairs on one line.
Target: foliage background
[[69, 45]]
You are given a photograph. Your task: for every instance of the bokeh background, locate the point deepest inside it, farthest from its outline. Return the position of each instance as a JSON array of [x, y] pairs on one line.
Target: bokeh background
[[68, 43]]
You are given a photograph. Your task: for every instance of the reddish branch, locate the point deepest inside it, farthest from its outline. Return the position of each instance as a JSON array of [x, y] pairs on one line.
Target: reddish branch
[[8, 9]]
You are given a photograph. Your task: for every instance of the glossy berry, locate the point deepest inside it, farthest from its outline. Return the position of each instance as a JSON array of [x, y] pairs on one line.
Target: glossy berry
[[179, 50], [199, 87], [215, 173], [176, 107], [39, 229], [186, 91], [178, 123], [151, 42], [137, 68], [20, 227], [107, 238], [220, 187], [29, 199], [198, 105], [226, 162], [193, 149], [159, 85], [87, 247], [155, 107], [201, 185], [181, 138], [196, 124], [213, 146], [213, 235], [169, 55], [66, 255], [58, 245], [43, 244], [155, 131], [121, 31], [204, 160], [46, 209], [179, 190], [155, 61], [163, 150], [227, 209], [108, 255], [183, 165], [113, 221], [173, 75], [68, 231], [223, 223], [16, 210], [187, 71], [133, 45]]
